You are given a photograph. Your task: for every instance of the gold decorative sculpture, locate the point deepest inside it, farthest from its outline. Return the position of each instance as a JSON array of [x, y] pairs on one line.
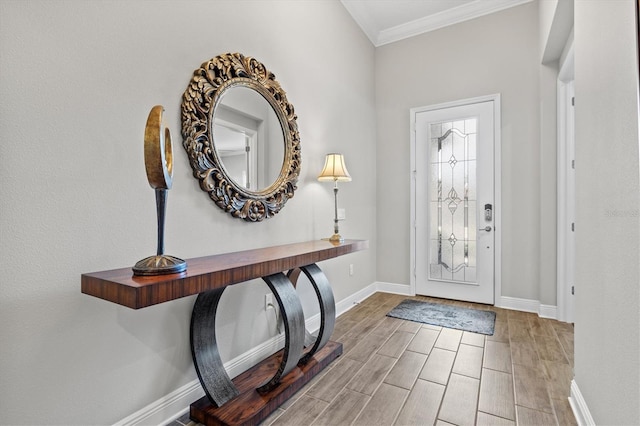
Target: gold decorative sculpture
[[158, 162]]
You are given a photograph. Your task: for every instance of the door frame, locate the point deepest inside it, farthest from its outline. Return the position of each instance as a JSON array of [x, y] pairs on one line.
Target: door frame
[[497, 189], [566, 192]]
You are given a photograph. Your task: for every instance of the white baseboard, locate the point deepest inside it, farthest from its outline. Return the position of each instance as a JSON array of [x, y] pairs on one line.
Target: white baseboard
[[514, 303], [350, 301], [579, 406], [175, 404], [167, 408], [548, 311], [393, 288], [527, 305]]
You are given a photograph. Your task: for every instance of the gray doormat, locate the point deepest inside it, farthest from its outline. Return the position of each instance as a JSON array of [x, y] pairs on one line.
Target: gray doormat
[[465, 319]]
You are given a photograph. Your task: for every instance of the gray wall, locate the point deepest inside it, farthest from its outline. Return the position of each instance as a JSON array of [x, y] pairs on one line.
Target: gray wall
[[607, 309], [492, 54], [78, 80]]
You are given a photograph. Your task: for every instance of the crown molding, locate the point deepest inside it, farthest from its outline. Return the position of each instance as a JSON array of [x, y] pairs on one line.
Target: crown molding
[[465, 12]]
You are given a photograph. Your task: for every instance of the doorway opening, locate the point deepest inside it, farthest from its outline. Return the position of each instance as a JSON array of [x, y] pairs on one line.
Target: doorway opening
[[566, 189], [455, 200]]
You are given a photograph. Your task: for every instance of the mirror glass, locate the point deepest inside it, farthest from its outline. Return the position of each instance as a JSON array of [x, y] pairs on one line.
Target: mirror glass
[[248, 138]]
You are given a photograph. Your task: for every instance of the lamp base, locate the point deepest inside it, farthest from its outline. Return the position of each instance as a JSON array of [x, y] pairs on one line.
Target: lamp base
[[159, 265], [335, 238]]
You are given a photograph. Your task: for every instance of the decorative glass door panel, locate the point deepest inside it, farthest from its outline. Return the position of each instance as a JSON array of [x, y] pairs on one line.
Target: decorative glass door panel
[[452, 198], [454, 184]]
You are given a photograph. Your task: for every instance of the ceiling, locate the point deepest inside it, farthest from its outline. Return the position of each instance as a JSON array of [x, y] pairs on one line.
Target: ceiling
[[386, 21]]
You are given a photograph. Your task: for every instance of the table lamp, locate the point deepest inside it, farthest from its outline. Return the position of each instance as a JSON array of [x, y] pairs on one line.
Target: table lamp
[[336, 171]]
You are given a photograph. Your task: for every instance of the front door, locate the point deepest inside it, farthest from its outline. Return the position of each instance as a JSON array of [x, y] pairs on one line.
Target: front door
[[454, 201]]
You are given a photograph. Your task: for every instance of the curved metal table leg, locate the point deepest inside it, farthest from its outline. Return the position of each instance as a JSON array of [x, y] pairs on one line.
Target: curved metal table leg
[[293, 318], [327, 304], [204, 349], [293, 275]]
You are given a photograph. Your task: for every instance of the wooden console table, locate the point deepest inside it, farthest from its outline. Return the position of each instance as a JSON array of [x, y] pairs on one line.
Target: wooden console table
[[254, 394]]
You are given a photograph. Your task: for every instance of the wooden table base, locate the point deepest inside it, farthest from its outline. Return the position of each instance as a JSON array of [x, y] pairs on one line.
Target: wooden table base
[[251, 407]]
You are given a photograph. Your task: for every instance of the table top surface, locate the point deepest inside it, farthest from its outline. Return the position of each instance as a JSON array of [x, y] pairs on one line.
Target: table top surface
[[210, 272]]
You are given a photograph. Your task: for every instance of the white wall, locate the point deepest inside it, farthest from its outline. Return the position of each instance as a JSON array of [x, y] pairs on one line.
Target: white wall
[[552, 25], [78, 80], [547, 11], [556, 22], [607, 306], [548, 75], [492, 54]]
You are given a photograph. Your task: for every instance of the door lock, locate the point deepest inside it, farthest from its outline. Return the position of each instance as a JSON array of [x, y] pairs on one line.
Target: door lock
[[488, 212]]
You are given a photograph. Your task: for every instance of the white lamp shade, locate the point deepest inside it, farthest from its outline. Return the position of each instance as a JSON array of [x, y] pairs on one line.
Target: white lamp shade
[[334, 169]]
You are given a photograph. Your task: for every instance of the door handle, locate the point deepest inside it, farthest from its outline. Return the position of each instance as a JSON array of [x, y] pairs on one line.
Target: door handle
[[486, 228]]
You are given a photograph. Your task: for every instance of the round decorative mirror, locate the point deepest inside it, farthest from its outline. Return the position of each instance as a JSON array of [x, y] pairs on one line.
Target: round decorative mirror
[[241, 135]]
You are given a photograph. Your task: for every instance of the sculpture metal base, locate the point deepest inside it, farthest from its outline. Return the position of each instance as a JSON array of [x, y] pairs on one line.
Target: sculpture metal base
[[159, 265], [335, 238], [251, 407]]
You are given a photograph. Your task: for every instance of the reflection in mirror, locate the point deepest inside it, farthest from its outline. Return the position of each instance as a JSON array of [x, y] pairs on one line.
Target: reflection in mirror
[[248, 138]]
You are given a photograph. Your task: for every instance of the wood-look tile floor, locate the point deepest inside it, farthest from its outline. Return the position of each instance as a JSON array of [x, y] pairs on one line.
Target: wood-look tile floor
[[396, 372]]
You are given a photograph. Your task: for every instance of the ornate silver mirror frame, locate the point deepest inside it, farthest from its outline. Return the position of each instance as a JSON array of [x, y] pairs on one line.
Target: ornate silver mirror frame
[[199, 102]]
